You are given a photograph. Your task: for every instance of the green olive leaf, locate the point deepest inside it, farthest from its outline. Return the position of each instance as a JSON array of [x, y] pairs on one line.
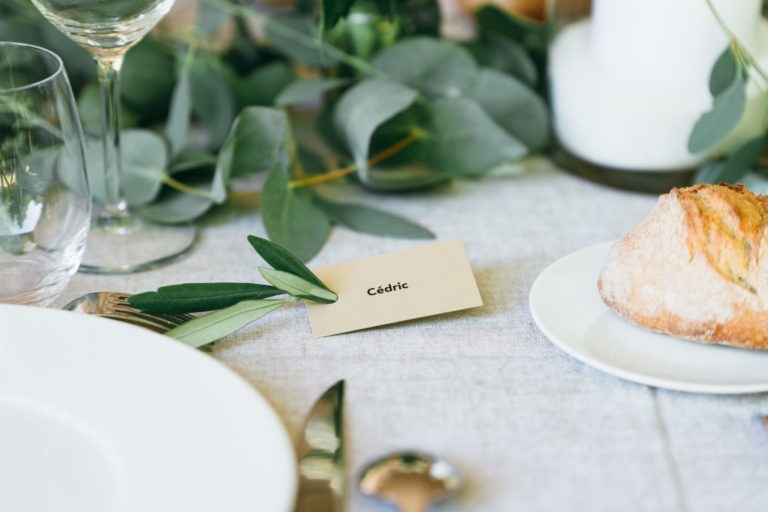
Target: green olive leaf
[[281, 259], [214, 326], [298, 287], [198, 297]]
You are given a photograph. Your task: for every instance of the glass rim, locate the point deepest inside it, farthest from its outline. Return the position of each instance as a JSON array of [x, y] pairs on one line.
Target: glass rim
[[59, 68]]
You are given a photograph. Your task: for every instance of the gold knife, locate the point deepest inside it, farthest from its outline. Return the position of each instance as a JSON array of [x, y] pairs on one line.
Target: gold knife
[[321, 455]]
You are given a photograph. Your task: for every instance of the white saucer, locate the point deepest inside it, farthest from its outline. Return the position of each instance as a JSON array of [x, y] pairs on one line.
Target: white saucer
[[101, 416], [566, 306]]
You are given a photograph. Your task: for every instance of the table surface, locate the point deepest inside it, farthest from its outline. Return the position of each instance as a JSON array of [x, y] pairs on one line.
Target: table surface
[[531, 428]]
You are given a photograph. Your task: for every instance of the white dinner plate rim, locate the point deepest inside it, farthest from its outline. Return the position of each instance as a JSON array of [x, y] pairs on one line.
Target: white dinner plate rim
[[573, 349], [269, 436]]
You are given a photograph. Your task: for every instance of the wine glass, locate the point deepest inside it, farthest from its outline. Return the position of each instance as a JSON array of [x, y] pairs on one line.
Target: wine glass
[[119, 240], [45, 202]]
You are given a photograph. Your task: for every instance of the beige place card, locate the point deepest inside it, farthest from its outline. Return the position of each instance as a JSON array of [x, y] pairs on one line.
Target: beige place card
[[414, 283]]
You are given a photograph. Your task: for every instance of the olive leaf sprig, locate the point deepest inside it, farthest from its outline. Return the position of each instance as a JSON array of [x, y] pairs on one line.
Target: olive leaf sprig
[[231, 306]]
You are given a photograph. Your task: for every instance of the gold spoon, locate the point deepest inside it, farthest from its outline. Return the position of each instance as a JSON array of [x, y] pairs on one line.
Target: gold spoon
[[412, 481]]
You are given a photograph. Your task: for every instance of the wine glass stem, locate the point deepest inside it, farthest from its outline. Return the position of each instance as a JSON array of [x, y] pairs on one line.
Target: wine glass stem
[[109, 85]]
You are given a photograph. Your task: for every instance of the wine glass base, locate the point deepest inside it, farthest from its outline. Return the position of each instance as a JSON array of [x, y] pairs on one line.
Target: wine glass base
[[128, 244]]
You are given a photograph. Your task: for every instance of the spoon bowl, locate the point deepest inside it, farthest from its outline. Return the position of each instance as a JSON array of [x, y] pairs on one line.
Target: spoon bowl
[[410, 480]]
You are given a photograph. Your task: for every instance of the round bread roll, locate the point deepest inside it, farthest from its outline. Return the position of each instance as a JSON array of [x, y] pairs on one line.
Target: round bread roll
[[696, 267]]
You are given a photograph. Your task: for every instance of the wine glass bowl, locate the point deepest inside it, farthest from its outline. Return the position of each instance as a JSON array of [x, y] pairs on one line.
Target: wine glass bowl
[[105, 28], [119, 241], [44, 195]]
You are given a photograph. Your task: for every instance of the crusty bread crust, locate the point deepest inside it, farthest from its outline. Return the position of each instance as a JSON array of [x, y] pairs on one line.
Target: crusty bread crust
[[696, 267]]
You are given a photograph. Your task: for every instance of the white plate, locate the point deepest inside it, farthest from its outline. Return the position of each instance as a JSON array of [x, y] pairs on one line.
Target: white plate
[[101, 416], [566, 306]]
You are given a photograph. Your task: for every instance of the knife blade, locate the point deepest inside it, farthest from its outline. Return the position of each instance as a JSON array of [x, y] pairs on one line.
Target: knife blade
[[321, 455]]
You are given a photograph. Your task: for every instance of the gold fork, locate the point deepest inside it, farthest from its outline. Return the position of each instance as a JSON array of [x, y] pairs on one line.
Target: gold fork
[[115, 306]]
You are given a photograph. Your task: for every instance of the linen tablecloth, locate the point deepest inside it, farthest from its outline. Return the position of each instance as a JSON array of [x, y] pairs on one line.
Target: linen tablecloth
[[531, 428]]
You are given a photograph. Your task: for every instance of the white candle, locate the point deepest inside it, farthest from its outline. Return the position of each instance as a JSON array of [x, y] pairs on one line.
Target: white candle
[[629, 84]]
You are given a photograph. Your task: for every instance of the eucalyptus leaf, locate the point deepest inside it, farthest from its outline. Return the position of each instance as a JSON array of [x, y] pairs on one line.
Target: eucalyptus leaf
[[177, 126], [174, 207], [89, 108], [709, 172], [210, 18], [281, 259], [435, 67], [532, 36], [213, 102], [713, 126], [214, 326], [463, 141], [296, 36], [298, 287], [505, 54], [142, 87], [724, 72], [740, 162], [256, 142], [372, 221], [364, 108], [262, 86], [290, 216], [513, 106], [334, 10], [144, 157], [198, 297], [307, 88]]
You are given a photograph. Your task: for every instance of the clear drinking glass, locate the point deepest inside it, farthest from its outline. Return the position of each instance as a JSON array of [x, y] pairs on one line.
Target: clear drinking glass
[[119, 240], [44, 197]]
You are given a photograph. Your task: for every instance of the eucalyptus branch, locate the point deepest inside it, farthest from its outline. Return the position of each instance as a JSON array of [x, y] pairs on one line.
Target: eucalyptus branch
[[187, 166], [345, 171], [740, 51], [297, 168], [183, 187], [356, 63]]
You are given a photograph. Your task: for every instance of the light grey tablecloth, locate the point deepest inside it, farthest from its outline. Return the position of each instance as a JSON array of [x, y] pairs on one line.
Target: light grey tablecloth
[[531, 428]]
